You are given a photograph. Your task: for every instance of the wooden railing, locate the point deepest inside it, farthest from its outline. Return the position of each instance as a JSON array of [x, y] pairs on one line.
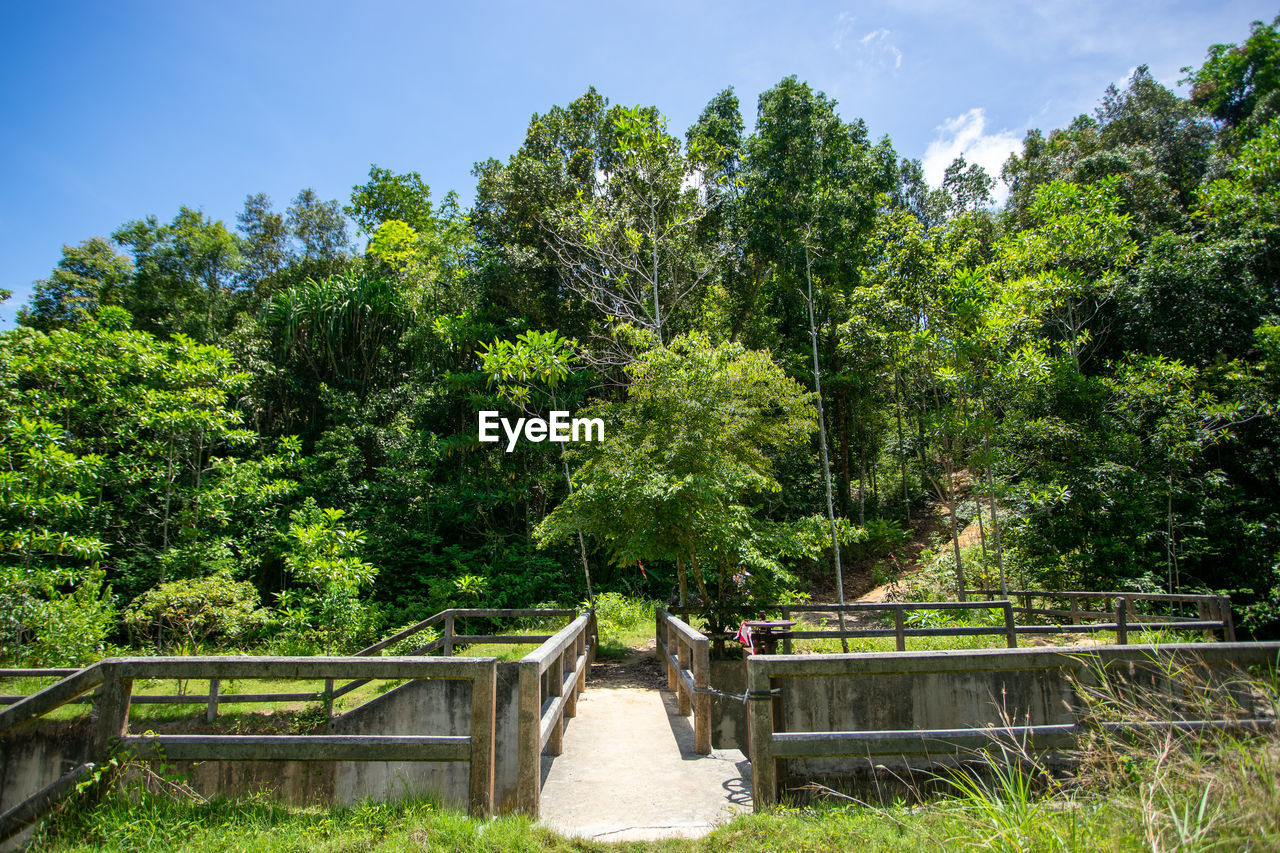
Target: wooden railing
[[108, 685], [900, 631], [1121, 616], [1213, 612], [687, 655], [115, 677], [551, 679], [766, 702], [443, 645]]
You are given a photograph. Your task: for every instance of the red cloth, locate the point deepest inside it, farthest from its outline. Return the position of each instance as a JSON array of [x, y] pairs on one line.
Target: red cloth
[[744, 636]]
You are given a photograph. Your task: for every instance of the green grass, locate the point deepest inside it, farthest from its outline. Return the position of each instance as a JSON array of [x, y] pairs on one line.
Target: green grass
[[624, 624], [1224, 798]]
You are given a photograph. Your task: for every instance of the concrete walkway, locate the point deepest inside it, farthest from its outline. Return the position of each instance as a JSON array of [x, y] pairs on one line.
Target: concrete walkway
[[628, 772]]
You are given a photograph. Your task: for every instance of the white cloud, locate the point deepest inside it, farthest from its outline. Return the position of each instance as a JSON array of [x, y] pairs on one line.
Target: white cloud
[[965, 134], [876, 49], [873, 49], [844, 26]]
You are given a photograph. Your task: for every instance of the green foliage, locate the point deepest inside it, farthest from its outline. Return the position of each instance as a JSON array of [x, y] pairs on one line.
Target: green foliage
[[681, 458], [1089, 373], [180, 617], [622, 622], [1237, 82], [88, 276], [324, 553]]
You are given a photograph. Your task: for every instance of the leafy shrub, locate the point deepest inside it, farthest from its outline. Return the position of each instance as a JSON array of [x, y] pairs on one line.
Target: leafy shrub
[[70, 628], [183, 615], [877, 538], [325, 554], [618, 616]]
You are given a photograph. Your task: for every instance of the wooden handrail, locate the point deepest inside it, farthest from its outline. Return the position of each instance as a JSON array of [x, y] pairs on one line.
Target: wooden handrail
[[51, 697], [688, 668], [561, 663]]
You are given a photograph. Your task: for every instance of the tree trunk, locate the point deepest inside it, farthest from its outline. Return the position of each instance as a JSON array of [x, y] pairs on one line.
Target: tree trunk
[[582, 546], [683, 579], [822, 437], [698, 579], [953, 504], [862, 477], [902, 455], [842, 418]]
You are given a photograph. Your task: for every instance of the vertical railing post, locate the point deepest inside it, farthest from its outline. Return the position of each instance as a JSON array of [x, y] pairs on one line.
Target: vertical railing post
[[593, 630], [571, 698], [446, 648], [484, 689], [764, 772], [555, 687], [211, 711], [1228, 622], [581, 663], [328, 701], [1122, 622], [1010, 629], [529, 766], [702, 697], [1075, 608], [900, 629], [658, 618], [673, 640], [684, 706], [111, 709]]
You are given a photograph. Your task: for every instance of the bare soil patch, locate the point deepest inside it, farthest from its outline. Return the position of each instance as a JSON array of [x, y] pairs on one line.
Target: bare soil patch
[[640, 668]]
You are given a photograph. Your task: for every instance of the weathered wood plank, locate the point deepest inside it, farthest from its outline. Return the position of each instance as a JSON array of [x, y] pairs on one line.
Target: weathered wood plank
[[764, 770], [500, 639], [300, 747], [988, 660], [484, 691], [529, 740], [947, 742], [557, 643], [51, 697], [301, 667]]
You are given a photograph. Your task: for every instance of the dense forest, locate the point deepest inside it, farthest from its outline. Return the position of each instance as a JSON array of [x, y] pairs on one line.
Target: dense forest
[[266, 432]]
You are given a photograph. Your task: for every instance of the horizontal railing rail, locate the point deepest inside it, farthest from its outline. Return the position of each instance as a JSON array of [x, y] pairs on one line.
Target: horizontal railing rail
[[1121, 618], [900, 631], [1213, 612], [686, 655]]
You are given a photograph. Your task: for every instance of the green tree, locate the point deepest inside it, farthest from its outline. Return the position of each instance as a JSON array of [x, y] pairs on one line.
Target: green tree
[[180, 617], [681, 461], [55, 611], [87, 276], [184, 274], [1240, 84], [320, 231], [324, 553]]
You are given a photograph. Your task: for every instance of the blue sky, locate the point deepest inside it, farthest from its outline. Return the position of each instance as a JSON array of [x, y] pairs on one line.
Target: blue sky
[[113, 111]]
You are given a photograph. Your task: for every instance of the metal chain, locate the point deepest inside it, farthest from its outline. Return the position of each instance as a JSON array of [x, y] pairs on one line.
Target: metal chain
[[750, 695]]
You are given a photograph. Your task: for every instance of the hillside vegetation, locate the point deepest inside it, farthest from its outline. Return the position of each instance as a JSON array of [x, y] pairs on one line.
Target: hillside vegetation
[[265, 433]]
